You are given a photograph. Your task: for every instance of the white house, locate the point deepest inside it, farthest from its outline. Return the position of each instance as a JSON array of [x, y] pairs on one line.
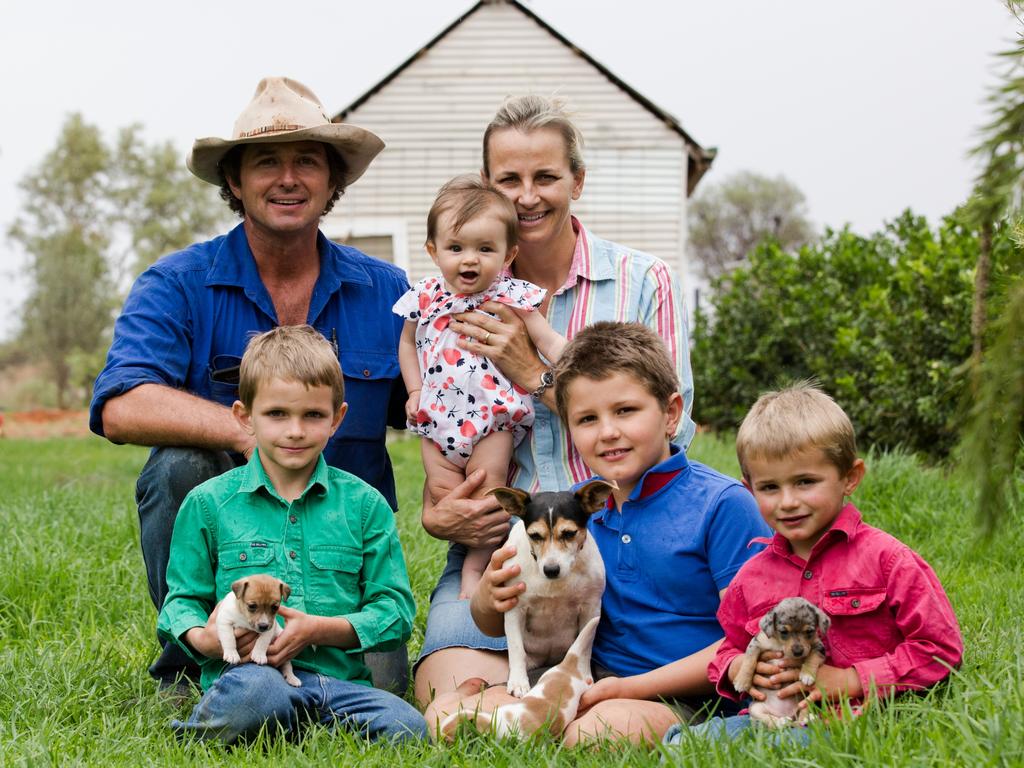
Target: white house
[[432, 110]]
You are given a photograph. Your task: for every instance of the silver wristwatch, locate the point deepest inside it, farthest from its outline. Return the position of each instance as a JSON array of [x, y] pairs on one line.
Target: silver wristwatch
[[547, 379]]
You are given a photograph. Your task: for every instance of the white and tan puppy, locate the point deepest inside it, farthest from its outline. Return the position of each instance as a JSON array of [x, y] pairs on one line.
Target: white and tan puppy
[[563, 572], [252, 604], [552, 703]]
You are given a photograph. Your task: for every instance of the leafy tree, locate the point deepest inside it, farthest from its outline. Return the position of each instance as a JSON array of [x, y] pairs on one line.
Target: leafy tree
[[883, 322], [728, 220], [85, 203], [66, 236], [163, 207]]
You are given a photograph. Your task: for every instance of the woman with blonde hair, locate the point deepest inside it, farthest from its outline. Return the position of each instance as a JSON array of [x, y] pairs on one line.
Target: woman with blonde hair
[[532, 153]]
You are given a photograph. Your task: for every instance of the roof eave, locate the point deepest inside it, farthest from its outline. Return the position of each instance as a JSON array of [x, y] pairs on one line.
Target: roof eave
[[699, 158]]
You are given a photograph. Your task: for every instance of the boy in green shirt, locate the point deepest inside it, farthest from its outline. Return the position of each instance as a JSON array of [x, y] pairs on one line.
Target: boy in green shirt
[[328, 535]]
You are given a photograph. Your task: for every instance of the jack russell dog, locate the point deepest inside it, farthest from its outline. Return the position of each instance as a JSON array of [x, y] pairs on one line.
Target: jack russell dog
[[252, 604], [563, 572]]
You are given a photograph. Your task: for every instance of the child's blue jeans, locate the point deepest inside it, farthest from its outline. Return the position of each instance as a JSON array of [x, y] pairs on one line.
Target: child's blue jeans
[[249, 696]]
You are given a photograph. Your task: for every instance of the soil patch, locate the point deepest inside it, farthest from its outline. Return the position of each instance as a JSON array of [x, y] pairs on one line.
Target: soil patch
[[43, 423]]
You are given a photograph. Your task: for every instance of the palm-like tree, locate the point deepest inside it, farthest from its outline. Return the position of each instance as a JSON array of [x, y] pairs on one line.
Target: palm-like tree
[[991, 443]]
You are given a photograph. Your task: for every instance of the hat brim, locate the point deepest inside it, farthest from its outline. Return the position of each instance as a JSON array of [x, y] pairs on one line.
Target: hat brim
[[357, 146]]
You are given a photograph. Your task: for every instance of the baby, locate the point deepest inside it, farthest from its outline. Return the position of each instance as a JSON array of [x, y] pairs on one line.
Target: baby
[[469, 414]]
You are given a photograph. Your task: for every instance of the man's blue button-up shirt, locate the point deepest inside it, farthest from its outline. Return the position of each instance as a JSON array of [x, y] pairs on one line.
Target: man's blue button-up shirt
[[188, 318]]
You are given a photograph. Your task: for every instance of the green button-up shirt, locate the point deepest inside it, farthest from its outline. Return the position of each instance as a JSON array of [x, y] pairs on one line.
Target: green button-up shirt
[[336, 547]]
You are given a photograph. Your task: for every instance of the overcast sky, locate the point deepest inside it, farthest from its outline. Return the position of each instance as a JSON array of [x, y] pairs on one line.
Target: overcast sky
[[868, 106]]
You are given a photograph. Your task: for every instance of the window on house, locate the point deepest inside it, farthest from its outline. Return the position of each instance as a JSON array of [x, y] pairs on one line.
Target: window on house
[[378, 246], [383, 238]]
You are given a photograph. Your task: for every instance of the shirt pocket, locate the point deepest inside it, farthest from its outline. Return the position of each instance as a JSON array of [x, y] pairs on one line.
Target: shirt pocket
[[239, 559], [862, 626], [369, 377], [223, 378], [334, 579]]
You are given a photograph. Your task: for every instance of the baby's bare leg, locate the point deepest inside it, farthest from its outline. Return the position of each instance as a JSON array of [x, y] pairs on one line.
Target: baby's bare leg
[[473, 570], [492, 454], [442, 475]]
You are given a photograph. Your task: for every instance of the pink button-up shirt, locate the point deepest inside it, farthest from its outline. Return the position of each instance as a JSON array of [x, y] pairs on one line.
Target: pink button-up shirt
[[891, 619]]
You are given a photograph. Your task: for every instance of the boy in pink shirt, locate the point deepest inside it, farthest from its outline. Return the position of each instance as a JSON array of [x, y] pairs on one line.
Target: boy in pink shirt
[[892, 626]]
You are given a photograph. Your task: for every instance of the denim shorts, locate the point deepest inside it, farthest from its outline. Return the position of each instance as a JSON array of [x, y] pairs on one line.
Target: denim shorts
[[450, 625], [449, 622]]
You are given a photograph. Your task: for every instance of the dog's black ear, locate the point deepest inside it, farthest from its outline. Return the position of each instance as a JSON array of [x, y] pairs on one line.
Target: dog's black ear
[[594, 495], [768, 624], [239, 588], [285, 591], [512, 500], [824, 622]]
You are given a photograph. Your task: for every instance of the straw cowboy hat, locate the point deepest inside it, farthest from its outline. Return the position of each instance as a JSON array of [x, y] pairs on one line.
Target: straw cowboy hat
[[285, 110]]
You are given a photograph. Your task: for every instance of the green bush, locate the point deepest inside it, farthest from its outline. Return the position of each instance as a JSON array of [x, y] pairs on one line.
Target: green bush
[[883, 322]]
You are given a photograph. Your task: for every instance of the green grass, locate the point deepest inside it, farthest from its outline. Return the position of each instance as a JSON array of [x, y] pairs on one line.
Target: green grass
[[76, 631]]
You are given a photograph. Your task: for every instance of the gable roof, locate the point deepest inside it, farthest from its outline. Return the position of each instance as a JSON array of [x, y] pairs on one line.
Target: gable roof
[[699, 158]]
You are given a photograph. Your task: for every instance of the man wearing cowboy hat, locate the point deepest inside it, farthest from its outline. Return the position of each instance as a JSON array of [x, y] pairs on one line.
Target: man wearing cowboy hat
[[172, 371]]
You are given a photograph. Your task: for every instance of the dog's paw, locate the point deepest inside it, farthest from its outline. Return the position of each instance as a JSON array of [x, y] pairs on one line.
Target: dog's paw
[[742, 683], [293, 681], [518, 685], [807, 680], [259, 658], [232, 657]]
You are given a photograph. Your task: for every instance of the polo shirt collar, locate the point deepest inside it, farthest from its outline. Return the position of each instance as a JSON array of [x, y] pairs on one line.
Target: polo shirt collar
[[255, 478], [653, 480]]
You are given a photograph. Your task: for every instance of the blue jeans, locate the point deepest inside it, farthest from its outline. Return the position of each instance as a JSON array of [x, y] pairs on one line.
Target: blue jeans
[[165, 481], [717, 728], [168, 476], [449, 622], [247, 697]]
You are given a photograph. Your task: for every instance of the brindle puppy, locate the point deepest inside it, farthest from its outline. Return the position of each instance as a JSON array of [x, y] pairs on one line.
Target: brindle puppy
[[794, 627]]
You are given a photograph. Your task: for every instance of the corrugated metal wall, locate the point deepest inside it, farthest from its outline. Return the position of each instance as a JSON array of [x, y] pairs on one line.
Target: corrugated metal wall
[[432, 117]]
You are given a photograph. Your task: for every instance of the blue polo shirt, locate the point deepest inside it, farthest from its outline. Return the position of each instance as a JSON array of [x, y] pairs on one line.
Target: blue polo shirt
[[675, 544], [188, 318]]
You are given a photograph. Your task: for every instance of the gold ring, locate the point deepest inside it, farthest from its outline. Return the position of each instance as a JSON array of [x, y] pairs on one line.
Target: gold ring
[[487, 338]]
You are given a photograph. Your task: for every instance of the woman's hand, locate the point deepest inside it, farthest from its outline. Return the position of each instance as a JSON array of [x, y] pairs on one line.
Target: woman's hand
[[503, 340], [494, 596], [472, 522]]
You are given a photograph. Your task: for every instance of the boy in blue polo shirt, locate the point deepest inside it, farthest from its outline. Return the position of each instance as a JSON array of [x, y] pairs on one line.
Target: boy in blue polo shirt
[[672, 537], [325, 533]]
